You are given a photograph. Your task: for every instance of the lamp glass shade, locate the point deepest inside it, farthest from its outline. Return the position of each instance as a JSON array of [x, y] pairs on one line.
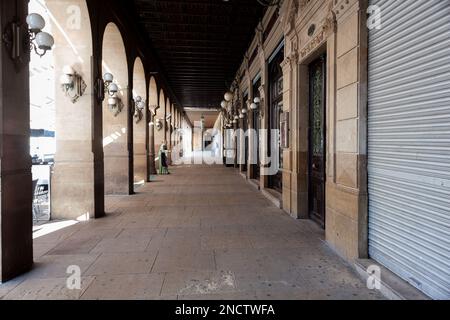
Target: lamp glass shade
[[228, 96], [35, 22], [66, 79], [244, 111], [236, 117], [257, 100], [108, 77], [113, 88], [224, 104], [44, 41], [112, 101], [68, 70], [253, 106]]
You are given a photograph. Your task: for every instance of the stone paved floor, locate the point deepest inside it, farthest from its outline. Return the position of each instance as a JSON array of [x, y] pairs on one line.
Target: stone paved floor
[[200, 233]]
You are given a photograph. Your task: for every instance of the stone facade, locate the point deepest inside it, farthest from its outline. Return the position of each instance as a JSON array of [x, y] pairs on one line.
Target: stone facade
[[310, 29]]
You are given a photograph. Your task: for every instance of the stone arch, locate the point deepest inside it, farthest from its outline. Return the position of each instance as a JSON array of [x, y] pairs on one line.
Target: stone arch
[[115, 119], [139, 123], [73, 181]]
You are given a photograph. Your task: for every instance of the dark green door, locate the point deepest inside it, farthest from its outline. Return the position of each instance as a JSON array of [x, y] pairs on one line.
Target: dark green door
[[317, 140]]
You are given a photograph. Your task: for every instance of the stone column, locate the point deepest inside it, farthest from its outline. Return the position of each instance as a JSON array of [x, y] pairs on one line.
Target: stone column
[[251, 140], [236, 145], [300, 156], [346, 203], [73, 180], [169, 134], [151, 140], [240, 145], [16, 242], [160, 133], [289, 67], [264, 111]]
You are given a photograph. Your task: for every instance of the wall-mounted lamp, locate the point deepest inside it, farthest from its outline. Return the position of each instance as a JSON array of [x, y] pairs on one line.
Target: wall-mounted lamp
[[224, 104], [153, 109], [40, 41], [228, 96], [255, 104], [115, 104], [139, 106], [159, 124], [72, 84], [19, 40], [109, 86]]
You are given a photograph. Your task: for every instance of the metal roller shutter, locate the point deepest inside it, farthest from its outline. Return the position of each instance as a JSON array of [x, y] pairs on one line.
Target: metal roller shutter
[[409, 142]]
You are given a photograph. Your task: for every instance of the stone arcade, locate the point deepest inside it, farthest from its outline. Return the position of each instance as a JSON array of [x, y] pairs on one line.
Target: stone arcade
[[363, 120]]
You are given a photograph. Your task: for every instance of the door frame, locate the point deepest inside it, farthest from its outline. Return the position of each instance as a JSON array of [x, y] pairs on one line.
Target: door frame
[[271, 102], [322, 57]]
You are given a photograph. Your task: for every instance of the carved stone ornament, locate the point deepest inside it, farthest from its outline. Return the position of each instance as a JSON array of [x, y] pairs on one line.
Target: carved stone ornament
[[328, 27]]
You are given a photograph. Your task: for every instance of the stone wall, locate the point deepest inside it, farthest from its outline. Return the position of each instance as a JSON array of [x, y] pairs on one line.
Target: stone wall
[[310, 29]]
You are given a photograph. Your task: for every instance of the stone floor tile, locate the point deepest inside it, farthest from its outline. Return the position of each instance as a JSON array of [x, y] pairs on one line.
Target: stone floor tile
[[48, 289], [123, 263], [125, 287], [199, 283], [200, 233], [122, 245], [56, 266], [172, 260]]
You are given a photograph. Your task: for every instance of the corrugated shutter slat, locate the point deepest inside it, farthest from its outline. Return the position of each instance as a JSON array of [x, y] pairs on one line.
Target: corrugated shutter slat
[[409, 142]]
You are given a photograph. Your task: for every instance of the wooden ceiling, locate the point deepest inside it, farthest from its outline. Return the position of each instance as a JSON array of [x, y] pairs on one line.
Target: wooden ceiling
[[200, 43]]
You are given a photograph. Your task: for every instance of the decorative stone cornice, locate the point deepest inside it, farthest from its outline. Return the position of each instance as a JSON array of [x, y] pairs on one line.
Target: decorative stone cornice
[[327, 28], [288, 15], [290, 61]]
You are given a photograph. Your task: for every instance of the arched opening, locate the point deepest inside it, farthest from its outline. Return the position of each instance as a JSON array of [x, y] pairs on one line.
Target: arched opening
[[139, 124], [61, 120], [115, 114]]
